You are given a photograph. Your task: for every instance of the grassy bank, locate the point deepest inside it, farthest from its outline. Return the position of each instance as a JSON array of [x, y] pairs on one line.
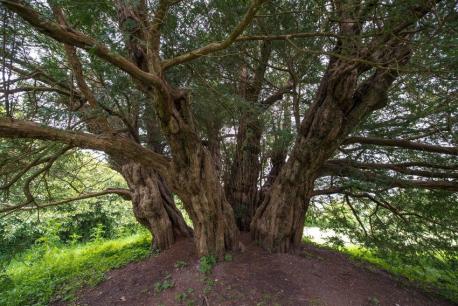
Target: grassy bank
[[434, 275], [46, 272]]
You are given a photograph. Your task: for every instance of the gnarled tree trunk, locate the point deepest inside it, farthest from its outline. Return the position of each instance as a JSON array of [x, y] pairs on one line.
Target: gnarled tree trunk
[[195, 176], [241, 186], [340, 105], [154, 207], [279, 221], [204, 199]]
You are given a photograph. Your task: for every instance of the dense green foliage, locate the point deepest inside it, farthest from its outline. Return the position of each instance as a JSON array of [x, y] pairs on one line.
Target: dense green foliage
[[394, 200], [72, 223], [422, 103], [50, 253], [50, 271]]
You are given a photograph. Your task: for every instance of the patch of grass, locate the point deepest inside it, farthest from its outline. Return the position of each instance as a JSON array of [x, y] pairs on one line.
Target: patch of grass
[[181, 264], [210, 281], [315, 302], [228, 257], [207, 263], [42, 275], [373, 301], [426, 273], [165, 284], [209, 284], [181, 296], [185, 297]]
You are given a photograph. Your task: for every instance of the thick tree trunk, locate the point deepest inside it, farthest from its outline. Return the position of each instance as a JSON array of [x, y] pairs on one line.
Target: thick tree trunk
[[195, 176], [277, 161], [204, 199], [242, 184], [154, 207], [195, 173], [341, 103], [279, 221]]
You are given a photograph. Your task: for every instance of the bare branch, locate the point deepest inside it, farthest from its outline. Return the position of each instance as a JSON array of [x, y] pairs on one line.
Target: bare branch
[[78, 39], [124, 193], [37, 161], [355, 213], [328, 191], [391, 182], [402, 144], [217, 46], [35, 88], [278, 95], [117, 146], [401, 168], [285, 36]]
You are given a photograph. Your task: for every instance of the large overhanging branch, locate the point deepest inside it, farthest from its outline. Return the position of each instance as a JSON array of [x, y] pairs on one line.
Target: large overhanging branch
[[28, 70], [34, 89], [124, 193], [117, 146], [77, 39], [385, 180], [378, 200], [74, 61], [30, 199], [285, 36], [398, 212], [41, 159], [327, 191], [400, 168], [399, 143], [217, 46]]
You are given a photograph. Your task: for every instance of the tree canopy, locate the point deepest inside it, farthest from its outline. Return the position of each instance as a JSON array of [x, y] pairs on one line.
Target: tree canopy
[[256, 114]]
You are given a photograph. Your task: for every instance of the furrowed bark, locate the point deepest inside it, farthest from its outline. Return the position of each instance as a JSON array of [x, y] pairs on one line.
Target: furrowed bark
[[204, 199], [341, 103], [152, 201], [241, 184], [154, 207], [241, 187], [196, 178]]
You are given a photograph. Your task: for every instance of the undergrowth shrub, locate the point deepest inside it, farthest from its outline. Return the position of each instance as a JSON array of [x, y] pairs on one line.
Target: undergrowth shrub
[[207, 263], [45, 272]]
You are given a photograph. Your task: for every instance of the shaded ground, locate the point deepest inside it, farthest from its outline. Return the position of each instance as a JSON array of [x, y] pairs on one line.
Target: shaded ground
[[312, 277]]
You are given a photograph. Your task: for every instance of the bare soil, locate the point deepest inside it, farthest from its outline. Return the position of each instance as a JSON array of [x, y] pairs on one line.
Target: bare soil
[[313, 276]]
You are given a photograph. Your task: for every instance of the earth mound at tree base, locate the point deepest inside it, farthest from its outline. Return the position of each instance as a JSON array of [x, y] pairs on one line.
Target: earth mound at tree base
[[313, 276]]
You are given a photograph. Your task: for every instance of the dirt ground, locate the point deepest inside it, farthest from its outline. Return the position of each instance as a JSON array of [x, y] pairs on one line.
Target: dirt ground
[[314, 276]]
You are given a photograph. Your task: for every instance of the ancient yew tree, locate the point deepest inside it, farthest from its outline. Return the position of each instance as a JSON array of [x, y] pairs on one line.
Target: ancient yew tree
[[251, 113]]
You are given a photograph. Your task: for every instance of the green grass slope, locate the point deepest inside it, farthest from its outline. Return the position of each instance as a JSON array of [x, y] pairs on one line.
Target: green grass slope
[[45, 273]]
